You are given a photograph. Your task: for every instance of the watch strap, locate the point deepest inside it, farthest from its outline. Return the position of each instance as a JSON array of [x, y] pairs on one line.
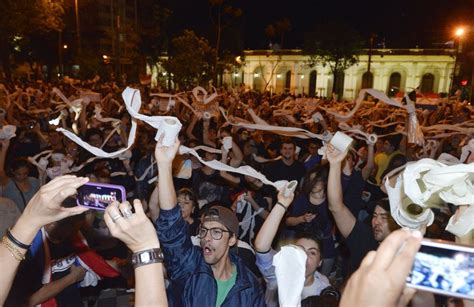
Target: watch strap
[[149, 256]]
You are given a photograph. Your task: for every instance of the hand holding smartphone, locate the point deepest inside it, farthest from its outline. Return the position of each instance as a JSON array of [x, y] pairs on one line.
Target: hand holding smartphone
[[98, 196], [445, 268]]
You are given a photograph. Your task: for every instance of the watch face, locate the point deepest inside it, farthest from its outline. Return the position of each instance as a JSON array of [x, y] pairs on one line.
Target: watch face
[[145, 257]]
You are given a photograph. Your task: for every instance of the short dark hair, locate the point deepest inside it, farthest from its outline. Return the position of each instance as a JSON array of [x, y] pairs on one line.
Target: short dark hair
[[19, 163], [313, 237], [395, 140], [287, 141]]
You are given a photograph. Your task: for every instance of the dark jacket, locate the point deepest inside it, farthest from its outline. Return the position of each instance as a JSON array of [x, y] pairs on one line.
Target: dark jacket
[[193, 276]]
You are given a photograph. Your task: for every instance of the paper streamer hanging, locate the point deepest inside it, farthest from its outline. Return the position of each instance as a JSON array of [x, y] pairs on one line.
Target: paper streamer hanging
[[285, 131]]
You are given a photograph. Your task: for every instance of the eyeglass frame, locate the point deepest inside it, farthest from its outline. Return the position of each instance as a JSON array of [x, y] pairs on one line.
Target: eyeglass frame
[[212, 236]]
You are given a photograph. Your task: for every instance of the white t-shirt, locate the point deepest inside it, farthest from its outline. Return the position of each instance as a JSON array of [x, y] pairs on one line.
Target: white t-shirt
[[320, 283]]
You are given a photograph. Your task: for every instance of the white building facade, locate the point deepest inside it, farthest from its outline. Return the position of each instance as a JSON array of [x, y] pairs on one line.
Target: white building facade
[[391, 70]]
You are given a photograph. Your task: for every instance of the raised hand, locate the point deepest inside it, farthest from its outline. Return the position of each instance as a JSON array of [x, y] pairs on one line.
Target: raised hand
[[385, 270], [165, 154], [333, 155], [45, 206], [134, 229]]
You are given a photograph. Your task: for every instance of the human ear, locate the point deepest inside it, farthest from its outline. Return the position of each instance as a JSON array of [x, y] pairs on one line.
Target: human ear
[[233, 240]]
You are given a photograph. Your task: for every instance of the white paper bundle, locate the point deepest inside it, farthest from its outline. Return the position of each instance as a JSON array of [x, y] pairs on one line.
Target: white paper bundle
[[290, 271]]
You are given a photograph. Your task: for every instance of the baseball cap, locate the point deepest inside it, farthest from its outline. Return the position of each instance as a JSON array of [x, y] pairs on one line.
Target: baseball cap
[[223, 215]]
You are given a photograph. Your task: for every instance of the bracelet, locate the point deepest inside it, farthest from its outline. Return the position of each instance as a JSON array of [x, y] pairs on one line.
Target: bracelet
[[15, 241], [280, 204], [12, 249]]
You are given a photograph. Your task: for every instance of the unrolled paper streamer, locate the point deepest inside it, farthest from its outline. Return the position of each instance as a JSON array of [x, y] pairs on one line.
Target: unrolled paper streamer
[[369, 138], [464, 223], [197, 91], [243, 170], [290, 271], [286, 131], [264, 160], [133, 103], [227, 142], [427, 183]]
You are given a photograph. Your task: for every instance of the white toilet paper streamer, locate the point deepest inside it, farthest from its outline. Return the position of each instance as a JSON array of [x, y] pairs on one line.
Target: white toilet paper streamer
[[132, 101], [429, 183], [290, 269]]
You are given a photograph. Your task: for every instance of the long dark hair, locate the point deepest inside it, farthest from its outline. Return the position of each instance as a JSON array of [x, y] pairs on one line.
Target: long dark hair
[[314, 175]]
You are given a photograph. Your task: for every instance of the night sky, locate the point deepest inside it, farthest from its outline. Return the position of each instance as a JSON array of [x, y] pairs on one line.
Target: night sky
[[402, 23]]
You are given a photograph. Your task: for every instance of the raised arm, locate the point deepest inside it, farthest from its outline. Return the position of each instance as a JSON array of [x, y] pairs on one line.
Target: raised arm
[[231, 178], [3, 155], [263, 241], [205, 133], [345, 221], [138, 233], [43, 208], [189, 130], [164, 157], [370, 165]]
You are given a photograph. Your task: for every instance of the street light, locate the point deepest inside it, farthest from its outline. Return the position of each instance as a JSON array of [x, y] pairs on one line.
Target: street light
[[65, 46], [459, 32]]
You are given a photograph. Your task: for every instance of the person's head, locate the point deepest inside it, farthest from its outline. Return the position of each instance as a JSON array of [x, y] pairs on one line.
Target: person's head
[[391, 144], [313, 148], [314, 183], [287, 150], [94, 137], [218, 233], [313, 249], [209, 156], [72, 149], [187, 202], [54, 138], [351, 159], [382, 222], [20, 169]]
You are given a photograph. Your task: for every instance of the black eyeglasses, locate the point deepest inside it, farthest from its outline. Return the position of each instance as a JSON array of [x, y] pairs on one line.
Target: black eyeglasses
[[216, 233]]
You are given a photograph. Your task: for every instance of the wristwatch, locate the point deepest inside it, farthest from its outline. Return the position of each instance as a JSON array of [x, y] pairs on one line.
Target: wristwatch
[[148, 256]]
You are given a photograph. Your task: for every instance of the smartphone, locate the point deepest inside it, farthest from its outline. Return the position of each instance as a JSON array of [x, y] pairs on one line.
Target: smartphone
[[445, 268], [98, 196]]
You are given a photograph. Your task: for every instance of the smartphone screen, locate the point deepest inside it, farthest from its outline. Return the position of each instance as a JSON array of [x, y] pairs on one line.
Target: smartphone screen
[[99, 195], [445, 268]]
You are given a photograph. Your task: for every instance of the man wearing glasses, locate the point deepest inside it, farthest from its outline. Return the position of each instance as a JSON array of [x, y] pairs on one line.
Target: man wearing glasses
[[206, 276]]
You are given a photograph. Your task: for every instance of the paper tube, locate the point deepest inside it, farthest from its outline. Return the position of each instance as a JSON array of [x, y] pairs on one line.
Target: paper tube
[[290, 188], [341, 141], [372, 139], [169, 129], [227, 142]]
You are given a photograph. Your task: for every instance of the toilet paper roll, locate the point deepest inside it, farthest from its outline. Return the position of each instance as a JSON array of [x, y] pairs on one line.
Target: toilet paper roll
[[372, 139], [290, 188], [169, 129], [341, 141], [227, 142]]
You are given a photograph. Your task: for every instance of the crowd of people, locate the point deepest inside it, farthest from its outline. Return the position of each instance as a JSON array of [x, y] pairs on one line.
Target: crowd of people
[[199, 236]]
